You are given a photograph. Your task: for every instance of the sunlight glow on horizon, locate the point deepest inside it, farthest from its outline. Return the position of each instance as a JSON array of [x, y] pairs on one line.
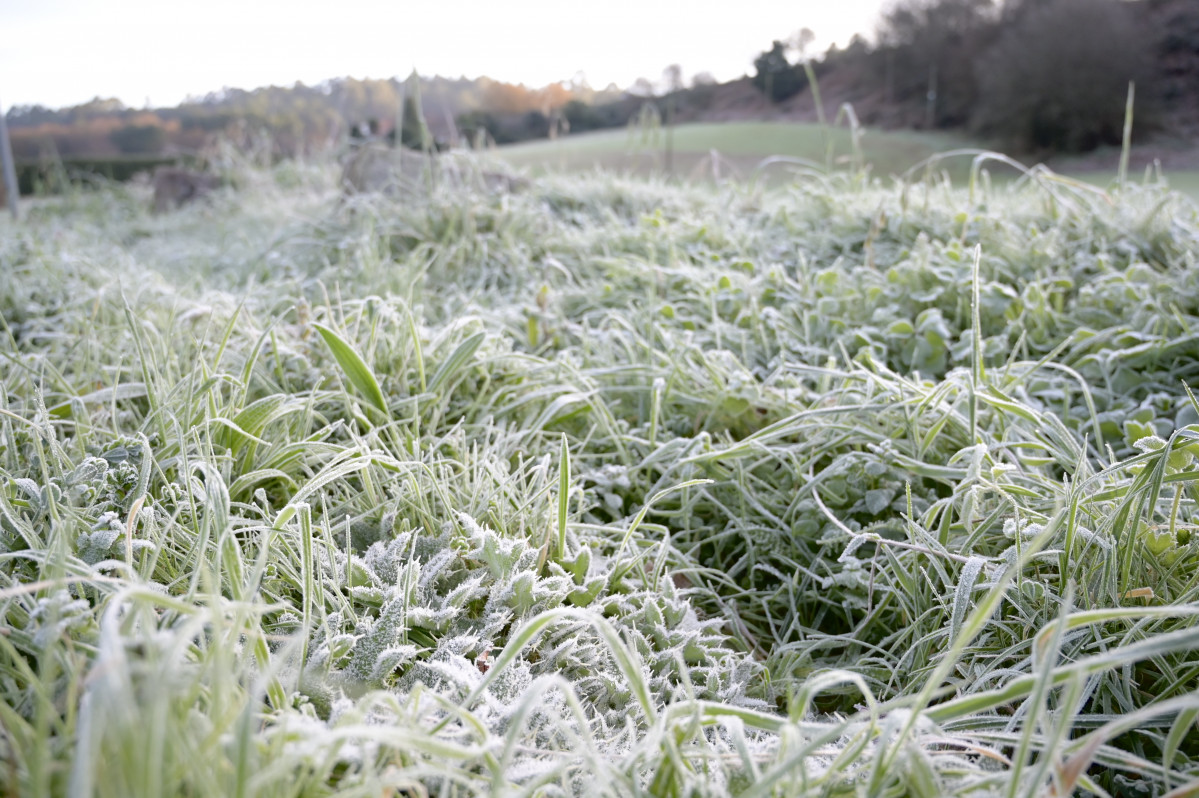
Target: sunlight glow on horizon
[[59, 53]]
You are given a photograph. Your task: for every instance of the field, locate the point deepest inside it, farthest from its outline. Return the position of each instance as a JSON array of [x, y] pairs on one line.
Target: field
[[607, 486], [775, 151], [741, 147]]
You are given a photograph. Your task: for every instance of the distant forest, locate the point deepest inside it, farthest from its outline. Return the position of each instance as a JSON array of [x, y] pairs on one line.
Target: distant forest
[[1036, 75], [297, 119]]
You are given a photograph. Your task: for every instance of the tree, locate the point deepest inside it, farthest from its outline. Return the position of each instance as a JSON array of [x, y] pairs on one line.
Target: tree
[[775, 76], [928, 49], [1058, 76], [643, 87], [413, 134], [534, 125], [672, 79]]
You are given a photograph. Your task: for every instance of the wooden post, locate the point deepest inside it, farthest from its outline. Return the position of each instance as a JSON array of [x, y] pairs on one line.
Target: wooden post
[[10, 171]]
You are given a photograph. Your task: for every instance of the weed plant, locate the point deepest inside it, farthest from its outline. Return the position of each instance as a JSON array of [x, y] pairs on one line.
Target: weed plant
[[603, 487]]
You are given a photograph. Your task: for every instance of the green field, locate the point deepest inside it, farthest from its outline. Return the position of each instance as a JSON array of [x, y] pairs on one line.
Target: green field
[[608, 486], [744, 146]]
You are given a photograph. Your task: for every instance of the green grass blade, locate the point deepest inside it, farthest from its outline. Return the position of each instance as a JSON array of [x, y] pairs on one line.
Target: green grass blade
[[354, 368], [456, 361]]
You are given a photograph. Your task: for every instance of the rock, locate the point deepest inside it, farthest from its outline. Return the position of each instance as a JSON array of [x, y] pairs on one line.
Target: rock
[[174, 187]]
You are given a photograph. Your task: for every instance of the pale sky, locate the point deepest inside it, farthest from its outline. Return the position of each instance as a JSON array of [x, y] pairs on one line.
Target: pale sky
[[63, 52]]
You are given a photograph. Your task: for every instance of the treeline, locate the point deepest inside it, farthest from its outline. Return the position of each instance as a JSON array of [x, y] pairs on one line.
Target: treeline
[[1034, 74], [295, 119], [1031, 74], [574, 116], [669, 100]]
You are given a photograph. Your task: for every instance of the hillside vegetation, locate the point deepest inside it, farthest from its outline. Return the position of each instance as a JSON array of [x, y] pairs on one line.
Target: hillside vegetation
[[604, 487]]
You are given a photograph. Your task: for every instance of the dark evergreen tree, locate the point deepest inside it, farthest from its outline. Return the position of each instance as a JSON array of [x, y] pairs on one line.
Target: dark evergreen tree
[[775, 76]]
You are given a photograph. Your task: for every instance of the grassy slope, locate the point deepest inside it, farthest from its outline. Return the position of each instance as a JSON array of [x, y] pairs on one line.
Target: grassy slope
[[597, 488]]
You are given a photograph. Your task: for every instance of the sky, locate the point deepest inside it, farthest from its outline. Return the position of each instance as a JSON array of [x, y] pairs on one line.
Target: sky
[[59, 53]]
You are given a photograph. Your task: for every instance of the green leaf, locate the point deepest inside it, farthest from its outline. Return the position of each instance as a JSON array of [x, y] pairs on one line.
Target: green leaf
[[249, 480], [456, 360], [255, 417], [354, 367]]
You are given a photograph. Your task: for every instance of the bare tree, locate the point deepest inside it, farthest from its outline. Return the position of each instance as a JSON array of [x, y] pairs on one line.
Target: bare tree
[[672, 79]]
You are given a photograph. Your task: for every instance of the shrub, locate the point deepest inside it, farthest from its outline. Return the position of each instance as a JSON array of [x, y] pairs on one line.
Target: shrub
[[139, 139]]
